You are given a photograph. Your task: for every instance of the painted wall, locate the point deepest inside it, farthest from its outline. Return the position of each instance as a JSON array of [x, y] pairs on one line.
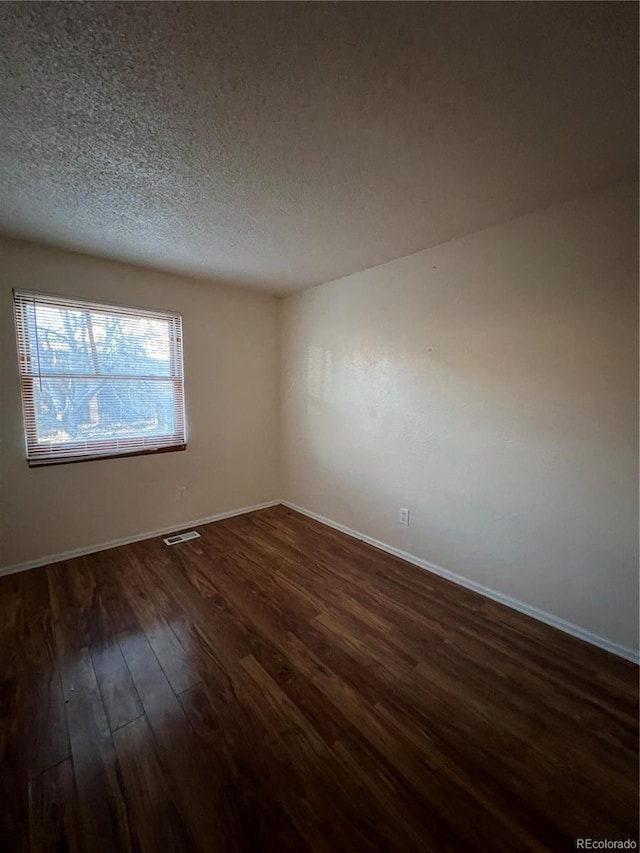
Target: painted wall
[[231, 378], [490, 385]]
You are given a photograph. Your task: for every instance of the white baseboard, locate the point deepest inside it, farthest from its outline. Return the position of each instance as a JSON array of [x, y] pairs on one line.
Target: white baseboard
[[541, 615], [139, 537]]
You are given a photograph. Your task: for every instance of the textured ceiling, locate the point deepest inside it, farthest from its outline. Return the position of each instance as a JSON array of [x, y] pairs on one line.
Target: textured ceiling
[[282, 145]]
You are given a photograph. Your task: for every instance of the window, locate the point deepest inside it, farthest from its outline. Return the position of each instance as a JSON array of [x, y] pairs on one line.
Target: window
[[98, 380]]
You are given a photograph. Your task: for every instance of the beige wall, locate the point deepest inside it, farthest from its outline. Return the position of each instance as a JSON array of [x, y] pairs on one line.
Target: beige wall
[[489, 384], [231, 377]]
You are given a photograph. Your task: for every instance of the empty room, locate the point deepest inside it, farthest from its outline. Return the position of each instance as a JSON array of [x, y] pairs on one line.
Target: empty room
[[319, 426]]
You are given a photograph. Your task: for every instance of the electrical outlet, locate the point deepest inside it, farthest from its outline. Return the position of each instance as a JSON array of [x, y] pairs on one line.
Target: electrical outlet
[[403, 515], [180, 492]]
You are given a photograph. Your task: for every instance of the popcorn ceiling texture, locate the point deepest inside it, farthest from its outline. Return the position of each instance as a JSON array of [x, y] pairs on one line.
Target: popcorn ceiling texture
[[283, 145]]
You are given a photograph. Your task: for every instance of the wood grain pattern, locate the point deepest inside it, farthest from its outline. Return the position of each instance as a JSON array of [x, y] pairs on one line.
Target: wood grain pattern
[[13, 745], [155, 823], [53, 810], [276, 685], [119, 697], [47, 738]]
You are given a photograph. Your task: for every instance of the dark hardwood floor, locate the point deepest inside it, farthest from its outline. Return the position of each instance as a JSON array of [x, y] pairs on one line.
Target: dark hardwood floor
[[276, 685]]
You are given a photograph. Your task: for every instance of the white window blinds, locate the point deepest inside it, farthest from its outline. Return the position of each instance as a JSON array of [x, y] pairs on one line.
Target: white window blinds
[[98, 380]]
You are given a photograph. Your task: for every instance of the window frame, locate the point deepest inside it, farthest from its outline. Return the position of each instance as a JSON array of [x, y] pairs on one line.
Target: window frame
[[91, 450]]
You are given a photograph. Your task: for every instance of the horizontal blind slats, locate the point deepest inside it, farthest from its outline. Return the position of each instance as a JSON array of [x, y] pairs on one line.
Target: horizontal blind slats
[[49, 299], [92, 377]]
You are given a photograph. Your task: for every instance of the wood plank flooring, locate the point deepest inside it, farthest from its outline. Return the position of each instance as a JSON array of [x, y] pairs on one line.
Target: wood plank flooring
[[277, 685]]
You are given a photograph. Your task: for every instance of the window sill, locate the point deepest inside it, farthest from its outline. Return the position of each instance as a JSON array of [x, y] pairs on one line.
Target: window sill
[[70, 460]]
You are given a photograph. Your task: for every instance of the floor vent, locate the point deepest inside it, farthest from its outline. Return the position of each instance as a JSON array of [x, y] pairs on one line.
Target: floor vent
[[181, 537]]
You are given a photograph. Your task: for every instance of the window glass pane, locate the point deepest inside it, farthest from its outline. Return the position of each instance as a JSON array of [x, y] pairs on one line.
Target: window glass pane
[[65, 340], [61, 344], [100, 409], [134, 346]]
